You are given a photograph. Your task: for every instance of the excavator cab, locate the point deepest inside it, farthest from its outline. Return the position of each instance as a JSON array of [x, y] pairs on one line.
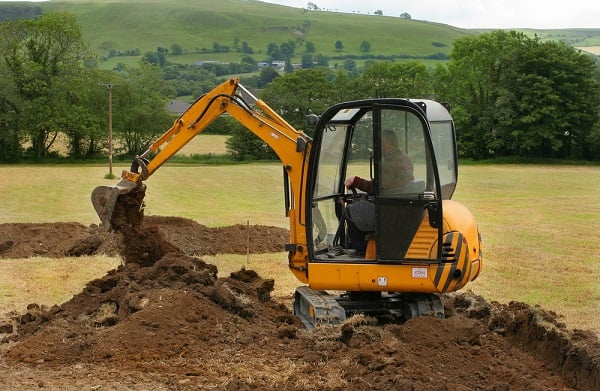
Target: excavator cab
[[351, 141], [394, 246]]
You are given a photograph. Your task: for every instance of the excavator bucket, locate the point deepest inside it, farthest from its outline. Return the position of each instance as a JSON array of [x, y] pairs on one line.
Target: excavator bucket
[[120, 206]]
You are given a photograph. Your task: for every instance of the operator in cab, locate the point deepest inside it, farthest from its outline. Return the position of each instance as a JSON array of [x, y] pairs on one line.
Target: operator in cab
[[396, 168]]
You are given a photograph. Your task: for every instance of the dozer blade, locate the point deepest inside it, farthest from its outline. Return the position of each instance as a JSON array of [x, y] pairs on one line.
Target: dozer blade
[[121, 205]]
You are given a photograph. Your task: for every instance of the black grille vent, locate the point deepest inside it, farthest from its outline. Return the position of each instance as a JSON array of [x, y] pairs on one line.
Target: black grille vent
[[448, 250]]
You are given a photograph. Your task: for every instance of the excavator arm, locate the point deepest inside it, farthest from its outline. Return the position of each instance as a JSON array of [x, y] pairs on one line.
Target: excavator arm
[[120, 206]]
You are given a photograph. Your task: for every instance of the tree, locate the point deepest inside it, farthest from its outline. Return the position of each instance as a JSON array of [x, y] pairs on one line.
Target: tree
[[287, 49], [246, 48], [322, 60], [344, 87], [293, 96], [42, 69], [85, 123], [267, 75], [10, 134], [273, 51], [176, 49], [479, 91], [289, 68], [384, 79], [248, 64], [514, 95], [405, 15], [379, 12], [339, 45], [556, 100], [245, 145], [307, 61], [151, 58], [223, 125], [10, 139], [350, 65], [365, 47], [299, 93], [309, 47], [139, 110]]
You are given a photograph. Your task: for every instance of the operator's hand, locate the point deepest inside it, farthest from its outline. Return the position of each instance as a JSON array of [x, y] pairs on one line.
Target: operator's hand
[[351, 181], [356, 182]]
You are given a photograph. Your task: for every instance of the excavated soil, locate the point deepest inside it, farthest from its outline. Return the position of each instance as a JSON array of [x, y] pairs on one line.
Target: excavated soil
[[165, 321]]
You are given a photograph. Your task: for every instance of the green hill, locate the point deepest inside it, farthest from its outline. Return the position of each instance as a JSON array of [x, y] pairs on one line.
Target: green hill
[[144, 25], [139, 26]]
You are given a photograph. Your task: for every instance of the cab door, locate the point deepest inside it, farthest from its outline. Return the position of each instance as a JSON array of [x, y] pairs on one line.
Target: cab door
[[407, 206]]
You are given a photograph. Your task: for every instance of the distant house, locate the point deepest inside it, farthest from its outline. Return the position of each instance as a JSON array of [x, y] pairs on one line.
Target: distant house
[[278, 64], [209, 62], [200, 63], [177, 106]]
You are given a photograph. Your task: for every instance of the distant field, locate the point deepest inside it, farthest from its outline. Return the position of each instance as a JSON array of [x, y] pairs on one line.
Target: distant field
[[539, 223], [590, 49], [205, 144], [201, 144]]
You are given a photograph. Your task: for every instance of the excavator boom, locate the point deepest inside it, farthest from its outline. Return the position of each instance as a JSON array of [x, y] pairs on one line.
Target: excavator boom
[[122, 205]]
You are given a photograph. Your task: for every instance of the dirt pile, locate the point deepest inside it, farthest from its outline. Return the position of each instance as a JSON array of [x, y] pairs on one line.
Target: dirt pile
[[164, 320], [24, 240]]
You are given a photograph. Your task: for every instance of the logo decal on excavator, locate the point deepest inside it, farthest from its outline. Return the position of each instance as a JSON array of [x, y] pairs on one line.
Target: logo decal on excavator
[[419, 272]]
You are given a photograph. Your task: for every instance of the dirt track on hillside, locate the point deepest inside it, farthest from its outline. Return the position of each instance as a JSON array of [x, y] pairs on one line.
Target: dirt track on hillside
[[164, 320]]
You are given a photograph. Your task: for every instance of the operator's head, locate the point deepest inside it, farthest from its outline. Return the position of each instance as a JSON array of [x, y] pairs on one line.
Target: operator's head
[[389, 140]]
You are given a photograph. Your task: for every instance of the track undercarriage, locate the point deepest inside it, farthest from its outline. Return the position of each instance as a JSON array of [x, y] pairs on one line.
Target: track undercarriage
[[318, 308]]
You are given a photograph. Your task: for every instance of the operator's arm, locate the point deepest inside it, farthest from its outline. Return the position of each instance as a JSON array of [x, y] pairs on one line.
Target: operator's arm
[[359, 183]]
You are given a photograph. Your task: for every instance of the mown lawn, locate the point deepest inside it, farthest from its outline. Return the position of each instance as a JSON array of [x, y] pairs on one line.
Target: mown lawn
[[539, 224]]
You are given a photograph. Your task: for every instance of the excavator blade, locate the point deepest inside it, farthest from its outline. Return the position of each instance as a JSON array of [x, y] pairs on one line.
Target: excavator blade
[[119, 206]]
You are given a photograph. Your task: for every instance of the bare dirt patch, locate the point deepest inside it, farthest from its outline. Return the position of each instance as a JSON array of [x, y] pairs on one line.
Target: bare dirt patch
[[164, 320]]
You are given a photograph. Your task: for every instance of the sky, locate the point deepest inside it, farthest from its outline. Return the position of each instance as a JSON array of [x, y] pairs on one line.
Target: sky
[[493, 14]]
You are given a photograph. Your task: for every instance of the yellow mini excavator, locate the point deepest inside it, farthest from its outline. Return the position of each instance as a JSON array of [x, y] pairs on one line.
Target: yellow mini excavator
[[386, 252]]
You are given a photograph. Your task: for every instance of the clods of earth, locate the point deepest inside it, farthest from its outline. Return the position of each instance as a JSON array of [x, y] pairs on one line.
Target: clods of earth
[[164, 320]]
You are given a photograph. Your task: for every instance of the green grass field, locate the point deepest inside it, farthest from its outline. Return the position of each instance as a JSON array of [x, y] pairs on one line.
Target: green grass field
[[539, 225]]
